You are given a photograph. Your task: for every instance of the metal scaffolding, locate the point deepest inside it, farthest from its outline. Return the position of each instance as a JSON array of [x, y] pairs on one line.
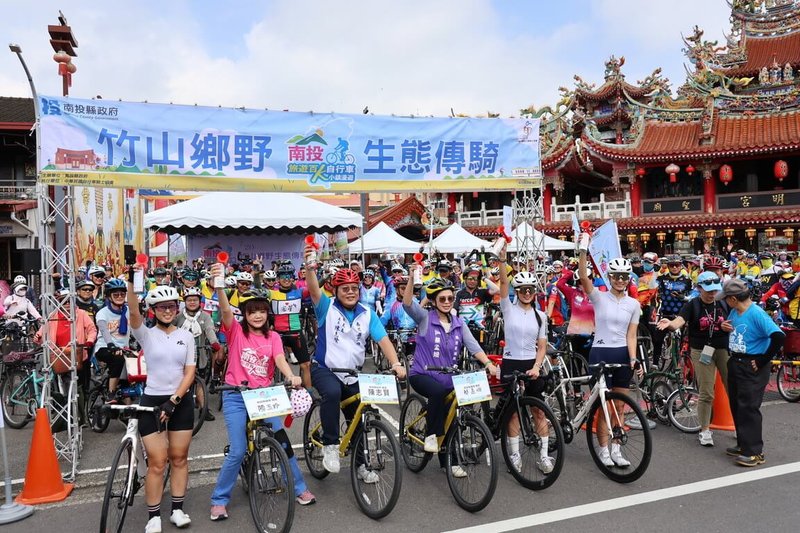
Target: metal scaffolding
[[528, 207]]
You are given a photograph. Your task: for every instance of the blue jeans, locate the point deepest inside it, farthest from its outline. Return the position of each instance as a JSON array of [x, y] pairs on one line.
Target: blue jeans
[[236, 421], [332, 391]]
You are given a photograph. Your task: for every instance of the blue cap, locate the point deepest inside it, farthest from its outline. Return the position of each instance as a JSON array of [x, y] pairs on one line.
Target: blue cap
[[708, 281]]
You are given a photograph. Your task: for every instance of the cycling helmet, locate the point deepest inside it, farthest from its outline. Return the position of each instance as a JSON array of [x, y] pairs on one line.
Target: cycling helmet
[[402, 280], [230, 281], [751, 256], [269, 275], [620, 265], [397, 268], [766, 255], [369, 272], [472, 269], [247, 276], [84, 283], [286, 268], [254, 295], [713, 262], [495, 271], [192, 291], [162, 294], [115, 284], [444, 264], [557, 264], [97, 270], [191, 275], [339, 263], [343, 276], [549, 269], [301, 402], [673, 259], [650, 257], [436, 286], [20, 279], [524, 279], [160, 271], [635, 259]]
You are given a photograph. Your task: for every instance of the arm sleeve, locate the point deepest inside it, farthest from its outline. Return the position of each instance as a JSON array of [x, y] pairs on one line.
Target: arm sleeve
[[469, 341], [775, 343], [416, 312], [543, 328], [376, 329], [191, 352], [105, 334], [321, 308]]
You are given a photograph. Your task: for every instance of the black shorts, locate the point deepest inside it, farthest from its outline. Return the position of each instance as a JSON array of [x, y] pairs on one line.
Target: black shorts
[[534, 387], [615, 377], [297, 342], [182, 418]]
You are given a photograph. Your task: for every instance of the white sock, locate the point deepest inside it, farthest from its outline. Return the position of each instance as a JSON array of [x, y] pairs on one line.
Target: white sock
[[513, 445], [543, 451]]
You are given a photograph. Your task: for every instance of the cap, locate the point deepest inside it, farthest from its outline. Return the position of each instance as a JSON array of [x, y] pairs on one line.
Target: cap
[[733, 287], [708, 281]]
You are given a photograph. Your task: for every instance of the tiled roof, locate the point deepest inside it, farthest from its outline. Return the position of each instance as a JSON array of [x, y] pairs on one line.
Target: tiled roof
[[17, 110], [397, 212], [761, 51], [735, 135]]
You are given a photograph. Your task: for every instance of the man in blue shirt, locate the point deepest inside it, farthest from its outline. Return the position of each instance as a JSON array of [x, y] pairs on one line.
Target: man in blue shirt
[[754, 340]]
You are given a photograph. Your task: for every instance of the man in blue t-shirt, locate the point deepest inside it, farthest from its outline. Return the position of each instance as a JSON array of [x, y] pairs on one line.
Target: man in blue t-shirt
[[754, 340]]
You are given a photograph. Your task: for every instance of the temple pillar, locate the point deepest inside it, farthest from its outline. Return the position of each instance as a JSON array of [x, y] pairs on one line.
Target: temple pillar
[[636, 196], [547, 201], [709, 193]]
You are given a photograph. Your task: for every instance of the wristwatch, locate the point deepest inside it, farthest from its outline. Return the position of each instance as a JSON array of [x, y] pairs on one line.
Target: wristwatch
[[175, 399]]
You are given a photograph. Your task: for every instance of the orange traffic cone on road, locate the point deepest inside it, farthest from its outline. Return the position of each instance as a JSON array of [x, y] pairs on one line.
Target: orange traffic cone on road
[[43, 483], [721, 417]]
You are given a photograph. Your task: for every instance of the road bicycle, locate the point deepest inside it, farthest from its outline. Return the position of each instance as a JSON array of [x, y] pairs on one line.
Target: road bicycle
[[467, 444], [604, 415], [370, 441], [265, 473]]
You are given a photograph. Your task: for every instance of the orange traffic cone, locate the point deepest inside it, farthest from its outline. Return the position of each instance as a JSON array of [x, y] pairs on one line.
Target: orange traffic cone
[[43, 483], [721, 417]]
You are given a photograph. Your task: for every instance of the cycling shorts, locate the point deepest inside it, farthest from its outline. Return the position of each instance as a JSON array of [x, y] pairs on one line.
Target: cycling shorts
[[534, 387], [615, 377], [297, 342], [182, 417]]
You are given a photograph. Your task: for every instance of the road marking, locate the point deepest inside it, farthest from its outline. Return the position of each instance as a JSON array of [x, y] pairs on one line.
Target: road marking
[[388, 417], [634, 499]]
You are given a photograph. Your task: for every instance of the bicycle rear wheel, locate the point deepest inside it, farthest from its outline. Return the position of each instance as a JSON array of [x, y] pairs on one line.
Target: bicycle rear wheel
[[312, 442], [413, 428], [271, 488], [635, 445], [118, 495], [471, 466], [98, 420], [533, 466], [788, 381], [682, 409], [16, 394], [199, 396], [375, 469], [659, 394]]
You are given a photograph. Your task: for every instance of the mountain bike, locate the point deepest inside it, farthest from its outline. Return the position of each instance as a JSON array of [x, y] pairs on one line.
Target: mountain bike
[[22, 387]]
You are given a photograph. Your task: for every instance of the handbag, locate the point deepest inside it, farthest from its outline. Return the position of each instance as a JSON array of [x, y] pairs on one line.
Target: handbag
[[136, 367], [61, 364]]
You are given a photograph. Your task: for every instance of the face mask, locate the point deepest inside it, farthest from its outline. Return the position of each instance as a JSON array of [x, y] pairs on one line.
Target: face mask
[[20, 292], [766, 263], [638, 270], [647, 267]]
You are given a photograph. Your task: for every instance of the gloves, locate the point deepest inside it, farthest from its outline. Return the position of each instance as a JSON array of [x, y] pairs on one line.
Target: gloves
[[167, 408], [216, 346], [583, 244]]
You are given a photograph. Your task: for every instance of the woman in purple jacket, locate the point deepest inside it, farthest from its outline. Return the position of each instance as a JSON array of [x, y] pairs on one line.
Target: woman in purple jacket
[[440, 337]]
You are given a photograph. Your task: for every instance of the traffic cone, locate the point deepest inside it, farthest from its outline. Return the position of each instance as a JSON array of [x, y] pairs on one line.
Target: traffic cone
[[43, 483], [721, 417]]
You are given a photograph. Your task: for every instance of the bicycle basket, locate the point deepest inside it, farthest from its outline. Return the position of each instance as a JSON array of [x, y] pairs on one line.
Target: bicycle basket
[[14, 358], [136, 367], [791, 346]]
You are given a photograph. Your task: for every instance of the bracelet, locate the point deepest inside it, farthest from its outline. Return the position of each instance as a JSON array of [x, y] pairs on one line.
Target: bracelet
[[397, 364], [487, 363]]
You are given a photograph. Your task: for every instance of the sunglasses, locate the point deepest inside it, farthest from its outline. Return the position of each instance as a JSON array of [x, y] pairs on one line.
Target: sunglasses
[[525, 290], [245, 283], [446, 299], [86, 289], [118, 293], [166, 307], [349, 288], [673, 265], [285, 276], [620, 277], [98, 275], [708, 282], [471, 278]]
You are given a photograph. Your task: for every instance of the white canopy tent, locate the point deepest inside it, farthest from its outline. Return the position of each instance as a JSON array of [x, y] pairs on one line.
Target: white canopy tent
[[381, 239], [525, 229], [456, 239]]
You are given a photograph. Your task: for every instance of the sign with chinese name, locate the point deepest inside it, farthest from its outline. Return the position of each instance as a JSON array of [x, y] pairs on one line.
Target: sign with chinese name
[[266, 402], [679, 205], [759, 200], [472, 388], [378, 388], [193, 148], [266, 248]]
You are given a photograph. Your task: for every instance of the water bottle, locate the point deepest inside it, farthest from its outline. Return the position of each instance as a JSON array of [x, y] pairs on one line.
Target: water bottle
[[497, 247]]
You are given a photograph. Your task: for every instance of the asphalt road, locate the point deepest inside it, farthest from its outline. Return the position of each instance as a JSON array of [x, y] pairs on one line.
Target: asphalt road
[[667, 498]]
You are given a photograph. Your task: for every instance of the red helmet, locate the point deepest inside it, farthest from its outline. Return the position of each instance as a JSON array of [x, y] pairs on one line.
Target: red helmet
[[344, 276], [713, 262]]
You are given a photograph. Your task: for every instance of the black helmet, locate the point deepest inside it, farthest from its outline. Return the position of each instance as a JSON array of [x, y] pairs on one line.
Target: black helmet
[[285, 268], [160, 271]]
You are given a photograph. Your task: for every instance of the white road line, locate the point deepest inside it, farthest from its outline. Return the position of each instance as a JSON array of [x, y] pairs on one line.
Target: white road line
[[629, 501], [389, 418]]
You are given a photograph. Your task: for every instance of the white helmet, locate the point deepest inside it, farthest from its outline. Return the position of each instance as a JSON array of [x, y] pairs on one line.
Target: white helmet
[[524, 279], [97, 270], [20, 279], [162, 293], [230, 281], [620, 265], [244, 276], [192, 291], [269, 275]]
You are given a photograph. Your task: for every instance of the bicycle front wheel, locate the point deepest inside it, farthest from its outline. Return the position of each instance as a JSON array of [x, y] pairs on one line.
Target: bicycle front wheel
[[471, 466], [312, 442], [118, 495], [620, 452], [16, 394], [413, 430], [533, 465], [682, 409], [375, 469], [98, 420], [271, 488], [200, 403], [788, 380]]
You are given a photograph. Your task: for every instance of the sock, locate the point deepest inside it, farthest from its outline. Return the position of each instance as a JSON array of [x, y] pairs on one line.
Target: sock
[[513, 445], [153, 510], [177, 502], [544, 451]]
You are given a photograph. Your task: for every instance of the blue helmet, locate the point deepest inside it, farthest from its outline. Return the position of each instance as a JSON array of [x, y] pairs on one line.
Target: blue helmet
[[115, 284]]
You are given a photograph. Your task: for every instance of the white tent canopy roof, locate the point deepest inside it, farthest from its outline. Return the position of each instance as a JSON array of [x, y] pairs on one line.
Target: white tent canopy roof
[[456, 239], [240, 211], [381, 239], [525, 229]]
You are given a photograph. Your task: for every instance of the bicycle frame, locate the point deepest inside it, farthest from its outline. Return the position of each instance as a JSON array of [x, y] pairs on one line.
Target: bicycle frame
[[360, 415], [452, 412], [36, 380], [138, 465], [598, 391]]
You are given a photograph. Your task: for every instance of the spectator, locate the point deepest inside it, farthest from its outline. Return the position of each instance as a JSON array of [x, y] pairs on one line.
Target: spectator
[[17, 302]]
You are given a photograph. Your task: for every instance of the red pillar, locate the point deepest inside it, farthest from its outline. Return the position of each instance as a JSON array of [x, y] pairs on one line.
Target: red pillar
[[547, 201], [709, 195], [636, 196]]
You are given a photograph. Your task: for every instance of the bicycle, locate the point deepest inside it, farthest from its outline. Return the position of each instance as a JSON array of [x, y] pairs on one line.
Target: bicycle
[[602, 409], [787, 377], [468, 445], [404, 345], [370, 441], [265, 473], [22, 387]]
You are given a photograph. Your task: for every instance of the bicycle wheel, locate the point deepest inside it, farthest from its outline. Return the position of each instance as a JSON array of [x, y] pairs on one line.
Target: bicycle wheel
[[635, 445], [312, 442], [471, 466], [659, 394], [413, 429], [375, 469], [98, 420], [682, 409], [577, 365], [788, 381], [534, 467], [118, 495], [16, 393], [271, 488], [199, 397]]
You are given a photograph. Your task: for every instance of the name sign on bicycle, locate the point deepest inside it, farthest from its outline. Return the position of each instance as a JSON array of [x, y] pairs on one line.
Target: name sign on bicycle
[[378, 388], [266, 402], [471, 388]]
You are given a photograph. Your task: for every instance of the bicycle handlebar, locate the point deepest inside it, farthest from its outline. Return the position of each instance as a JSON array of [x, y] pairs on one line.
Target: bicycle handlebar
[[213, 388], [134, 408]]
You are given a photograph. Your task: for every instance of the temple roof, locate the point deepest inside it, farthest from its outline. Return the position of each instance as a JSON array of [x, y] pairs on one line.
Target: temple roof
[[16, 111], [764, 51], [394, 214]]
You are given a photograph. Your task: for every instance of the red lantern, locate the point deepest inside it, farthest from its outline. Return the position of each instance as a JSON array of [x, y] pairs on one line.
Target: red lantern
[[640, 172], [781, 170], [725, 174], [673, 169], [690, 169]]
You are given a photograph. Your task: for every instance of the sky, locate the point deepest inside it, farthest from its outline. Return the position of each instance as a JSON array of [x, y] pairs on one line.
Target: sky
[[420, 57]]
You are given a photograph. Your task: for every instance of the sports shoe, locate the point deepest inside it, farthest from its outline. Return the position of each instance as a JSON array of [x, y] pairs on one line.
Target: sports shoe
[[617, 457], [734, 451], [605, 457], [292, 358], [210, 416], [179, 518], [635, 423], [516, 461], [330, 458], [306, 498], [153, 525], [367, 476], [431, 444], [546, 464], [458, 472], [751, 460], [218, 512], [705, 438]]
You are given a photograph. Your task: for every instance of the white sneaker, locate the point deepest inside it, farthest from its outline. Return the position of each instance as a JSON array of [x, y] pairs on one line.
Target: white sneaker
[[179, 518], [516, 461], [706, 438], [546, 464], [617, 458], [293, 359], [367, 476], [431, 444], [635, 423], [458, 472], [605, 457], [330, 458], [153, 525]]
